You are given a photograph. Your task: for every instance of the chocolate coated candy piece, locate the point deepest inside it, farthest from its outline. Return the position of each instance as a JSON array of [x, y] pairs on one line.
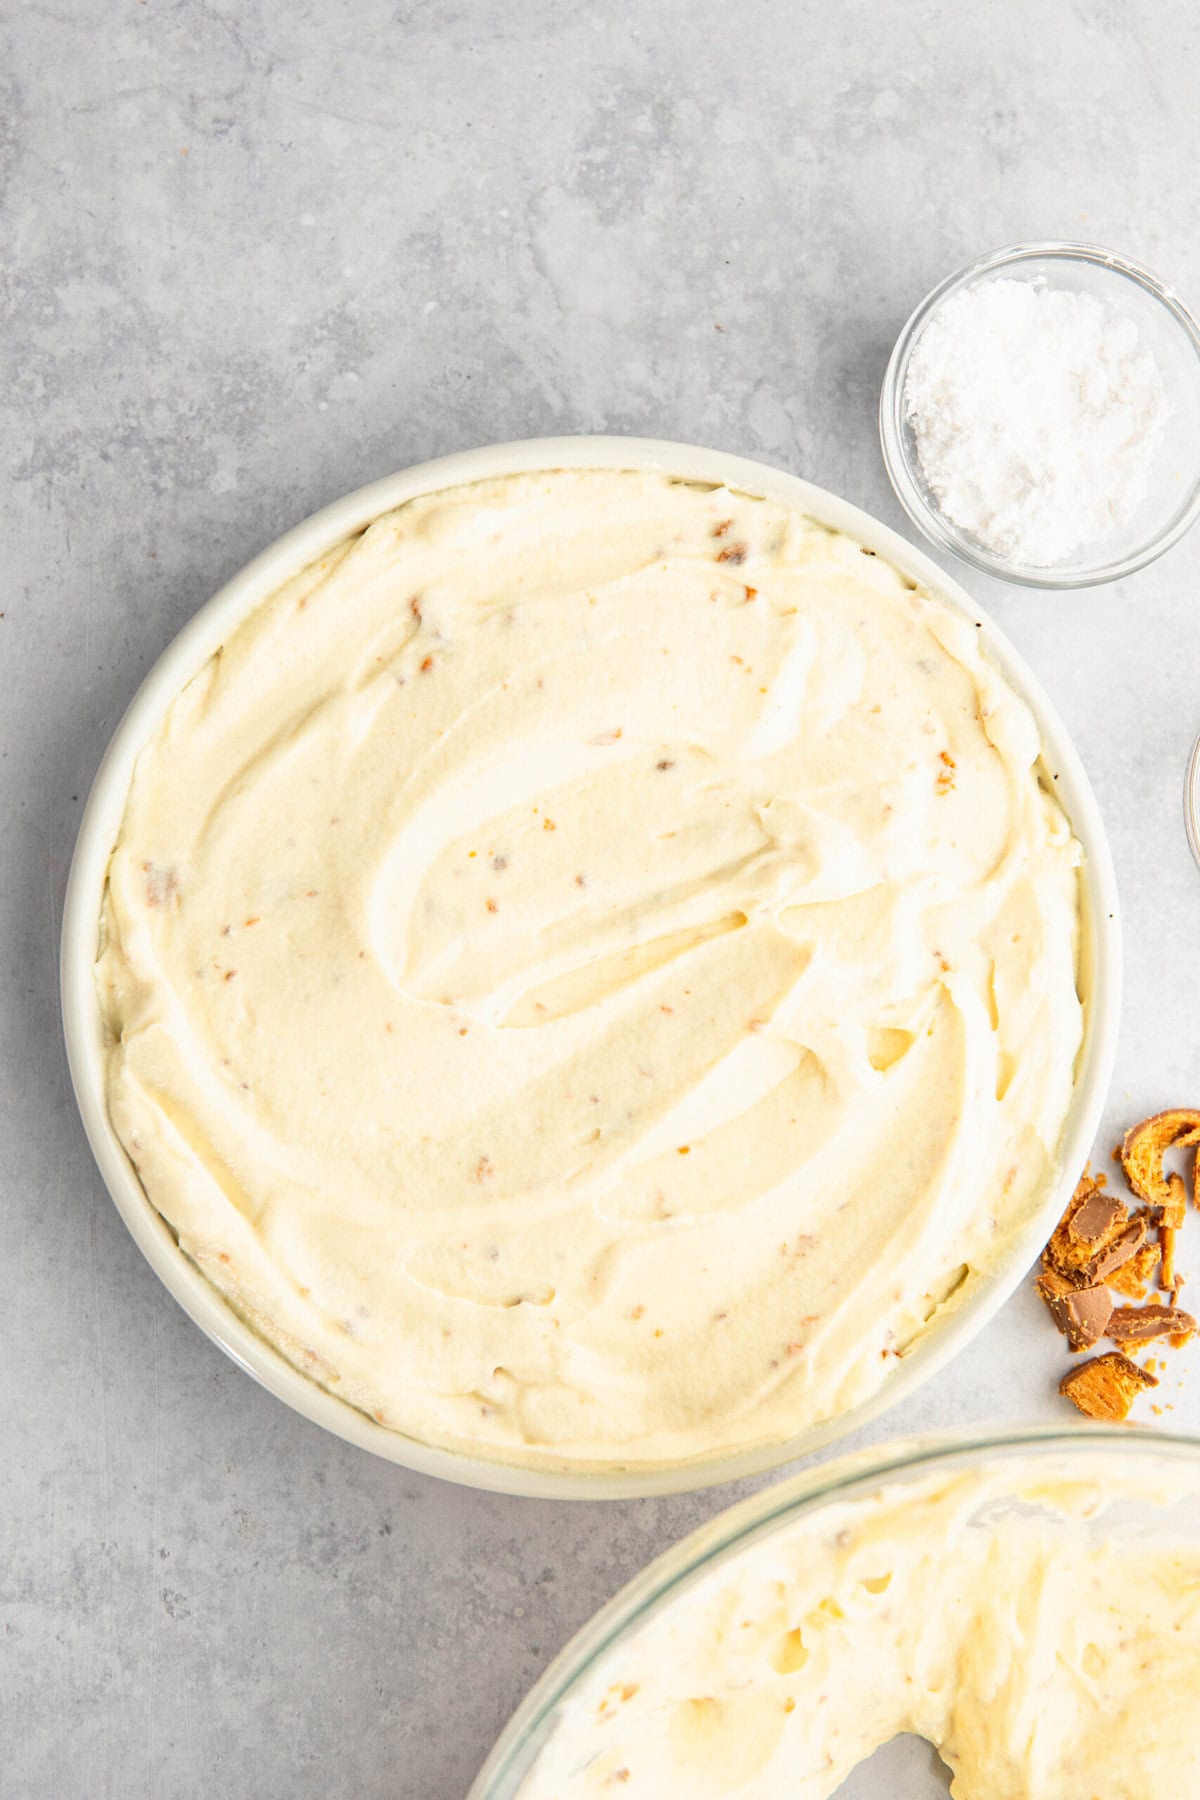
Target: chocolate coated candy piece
[[1135, 1276], [1082, 1314], [1139, 1324], [1074, 1248], [1094, 1221], [1126, 1245]]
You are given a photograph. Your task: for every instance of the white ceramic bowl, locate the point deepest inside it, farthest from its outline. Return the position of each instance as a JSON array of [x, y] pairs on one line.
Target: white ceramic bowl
[[1100, 974]]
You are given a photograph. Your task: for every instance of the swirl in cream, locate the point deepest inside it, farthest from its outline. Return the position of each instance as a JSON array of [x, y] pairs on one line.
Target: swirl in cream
[[590, 969]]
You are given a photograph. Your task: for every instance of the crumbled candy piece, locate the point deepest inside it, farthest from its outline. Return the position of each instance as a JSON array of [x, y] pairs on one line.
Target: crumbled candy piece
[[1107, 1386], [1134, 1276], [1146, 1144], [1174, 1211], [1081, 1313], [1168, 1278]]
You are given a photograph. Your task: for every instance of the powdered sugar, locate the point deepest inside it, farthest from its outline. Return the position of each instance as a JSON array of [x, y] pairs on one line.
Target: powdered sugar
[[1036, 416]]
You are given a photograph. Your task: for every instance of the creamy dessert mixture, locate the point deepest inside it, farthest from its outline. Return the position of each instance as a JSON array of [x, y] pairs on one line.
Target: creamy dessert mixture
[[1044, 1656], [589, 969]]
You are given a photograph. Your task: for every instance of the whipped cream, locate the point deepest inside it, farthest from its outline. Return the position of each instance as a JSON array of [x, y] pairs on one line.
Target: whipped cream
[[589, 969]]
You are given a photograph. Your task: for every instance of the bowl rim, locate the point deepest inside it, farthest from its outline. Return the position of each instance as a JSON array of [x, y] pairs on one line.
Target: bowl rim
[[930, 520], [847, 1477], [1100, 961], [1191, 800]]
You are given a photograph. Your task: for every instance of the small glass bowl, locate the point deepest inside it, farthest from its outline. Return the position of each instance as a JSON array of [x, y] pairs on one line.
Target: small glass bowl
[[1165, 327]]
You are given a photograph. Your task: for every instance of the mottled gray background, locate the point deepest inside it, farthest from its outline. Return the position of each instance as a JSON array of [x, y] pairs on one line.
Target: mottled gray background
[[256, 253]]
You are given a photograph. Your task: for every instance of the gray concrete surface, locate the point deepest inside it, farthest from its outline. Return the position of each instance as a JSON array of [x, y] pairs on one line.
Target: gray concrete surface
[[253, 255]]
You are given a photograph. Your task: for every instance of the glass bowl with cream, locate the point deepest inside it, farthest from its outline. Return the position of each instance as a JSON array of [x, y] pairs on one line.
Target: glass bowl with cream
[[1027, 1604], [590, 968]]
